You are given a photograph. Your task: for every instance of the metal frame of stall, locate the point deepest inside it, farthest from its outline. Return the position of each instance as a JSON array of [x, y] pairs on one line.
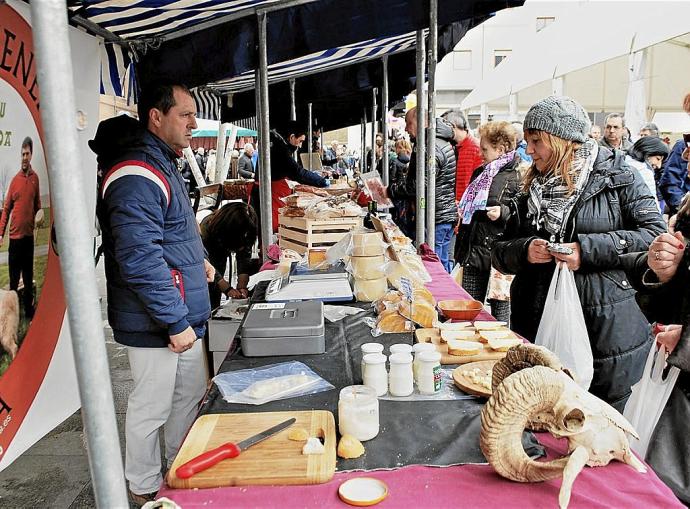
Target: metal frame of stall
[[54, 69]]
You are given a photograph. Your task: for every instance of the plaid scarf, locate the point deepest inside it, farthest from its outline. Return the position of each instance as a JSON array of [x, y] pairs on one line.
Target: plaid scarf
[[477, 192], [549, 203]]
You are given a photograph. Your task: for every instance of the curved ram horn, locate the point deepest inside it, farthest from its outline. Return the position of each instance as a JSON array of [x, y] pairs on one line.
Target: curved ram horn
[[521, 357], [520, 397]]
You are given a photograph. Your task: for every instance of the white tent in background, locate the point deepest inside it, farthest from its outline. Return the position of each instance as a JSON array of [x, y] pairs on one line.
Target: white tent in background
[[609, 56]]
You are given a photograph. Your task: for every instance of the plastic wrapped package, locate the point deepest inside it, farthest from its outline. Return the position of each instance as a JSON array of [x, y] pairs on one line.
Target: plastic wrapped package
[[367, 267], [396, 270], [420, 312], [369, 290], [391, 299], [414, 264], [269, 383], [367, 243]]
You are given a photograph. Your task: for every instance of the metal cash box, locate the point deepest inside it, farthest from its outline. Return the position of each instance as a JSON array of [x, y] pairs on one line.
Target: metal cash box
[[283, 328]]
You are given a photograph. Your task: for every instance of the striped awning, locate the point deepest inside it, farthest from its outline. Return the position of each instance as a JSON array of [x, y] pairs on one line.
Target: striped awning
[[116, 69], [146, 18], [321, 61]]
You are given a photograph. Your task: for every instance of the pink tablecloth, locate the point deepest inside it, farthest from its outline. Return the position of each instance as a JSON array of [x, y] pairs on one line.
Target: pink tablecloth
[[615, 485]]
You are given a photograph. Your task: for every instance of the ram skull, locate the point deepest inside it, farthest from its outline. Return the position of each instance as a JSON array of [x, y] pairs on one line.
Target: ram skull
[[549, 398]]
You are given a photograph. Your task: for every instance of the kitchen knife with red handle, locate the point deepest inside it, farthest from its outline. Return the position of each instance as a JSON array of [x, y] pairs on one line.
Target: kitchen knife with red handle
[[226, 451]]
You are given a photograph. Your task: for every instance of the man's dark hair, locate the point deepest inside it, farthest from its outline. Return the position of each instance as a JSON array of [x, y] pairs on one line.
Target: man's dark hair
[[160, 96], [456, 118], [294, 127], [28, 142]]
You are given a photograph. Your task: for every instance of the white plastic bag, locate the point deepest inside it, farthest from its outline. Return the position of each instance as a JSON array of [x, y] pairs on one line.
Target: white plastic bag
[[562, 328], [649, 397]]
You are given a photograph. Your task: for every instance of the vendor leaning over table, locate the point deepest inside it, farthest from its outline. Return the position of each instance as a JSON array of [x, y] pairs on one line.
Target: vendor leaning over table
[[230, 229], [586, 197], [284, 144]]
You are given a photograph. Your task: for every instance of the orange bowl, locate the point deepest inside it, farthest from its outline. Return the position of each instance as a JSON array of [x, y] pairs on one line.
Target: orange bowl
[[460, 309]]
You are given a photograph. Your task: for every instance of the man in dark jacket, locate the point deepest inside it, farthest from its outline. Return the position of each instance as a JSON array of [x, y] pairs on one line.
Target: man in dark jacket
[[675, 181], [156, 275], [446, 211], [245, 167]]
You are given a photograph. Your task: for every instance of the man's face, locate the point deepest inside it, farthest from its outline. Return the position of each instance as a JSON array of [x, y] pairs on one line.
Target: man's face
[[296, 141], [175, 127], [26, 159], [645, 132], [614, 131], [411, 123], [249, 151], [595, 132]]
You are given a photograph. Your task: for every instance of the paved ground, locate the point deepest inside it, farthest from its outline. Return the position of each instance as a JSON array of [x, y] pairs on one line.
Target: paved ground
[[54, 473]]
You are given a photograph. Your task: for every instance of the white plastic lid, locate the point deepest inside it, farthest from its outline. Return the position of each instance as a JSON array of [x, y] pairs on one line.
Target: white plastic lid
[[423, 347], [401, 348], [401, 358], [429, 356], [372, 348], [374, 358]]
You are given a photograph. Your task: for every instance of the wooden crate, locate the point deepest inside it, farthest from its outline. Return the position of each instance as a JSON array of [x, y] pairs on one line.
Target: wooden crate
[[300, 233]]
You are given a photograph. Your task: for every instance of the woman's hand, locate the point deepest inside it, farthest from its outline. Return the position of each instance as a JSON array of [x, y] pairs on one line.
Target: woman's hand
[[572, 260], [538, 253], [493, 213], [665, 254], [670, 337]]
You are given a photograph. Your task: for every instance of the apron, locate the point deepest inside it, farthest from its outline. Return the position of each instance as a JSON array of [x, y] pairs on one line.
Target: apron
[[279, 189]]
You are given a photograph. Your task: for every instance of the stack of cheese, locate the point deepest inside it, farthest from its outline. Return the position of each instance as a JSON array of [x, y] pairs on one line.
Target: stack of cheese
[[367, 262], [466, 338]]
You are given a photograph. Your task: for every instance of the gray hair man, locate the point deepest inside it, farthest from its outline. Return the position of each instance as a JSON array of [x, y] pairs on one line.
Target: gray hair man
[[614, 133]]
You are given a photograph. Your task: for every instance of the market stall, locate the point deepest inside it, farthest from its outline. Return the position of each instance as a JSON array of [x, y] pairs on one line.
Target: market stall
[[415, 438]]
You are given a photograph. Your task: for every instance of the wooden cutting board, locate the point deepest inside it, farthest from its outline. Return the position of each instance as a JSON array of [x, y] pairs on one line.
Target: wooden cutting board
[[434, 336], [466, 384], [276, 460]]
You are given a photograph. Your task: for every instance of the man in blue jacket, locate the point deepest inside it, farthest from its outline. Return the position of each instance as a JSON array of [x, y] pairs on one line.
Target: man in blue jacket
[[675, 181], [156, 274]]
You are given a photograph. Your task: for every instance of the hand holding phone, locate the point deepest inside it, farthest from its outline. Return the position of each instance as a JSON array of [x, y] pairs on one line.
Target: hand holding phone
[[554, 247]]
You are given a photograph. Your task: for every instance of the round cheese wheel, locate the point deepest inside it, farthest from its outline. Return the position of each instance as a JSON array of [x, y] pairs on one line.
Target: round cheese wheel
[[369, 290], [367, 267], [367, 244]]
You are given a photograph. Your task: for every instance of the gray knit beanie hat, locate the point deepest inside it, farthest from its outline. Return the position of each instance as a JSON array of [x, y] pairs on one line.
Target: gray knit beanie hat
[[560, 116]]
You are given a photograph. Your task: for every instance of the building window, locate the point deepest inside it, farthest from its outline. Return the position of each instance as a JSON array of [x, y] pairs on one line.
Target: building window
[[543, 22], [500, 54], [462, 60]]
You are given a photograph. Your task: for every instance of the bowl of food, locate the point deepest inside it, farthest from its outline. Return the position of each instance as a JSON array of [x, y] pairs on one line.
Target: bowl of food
[[460, 309]]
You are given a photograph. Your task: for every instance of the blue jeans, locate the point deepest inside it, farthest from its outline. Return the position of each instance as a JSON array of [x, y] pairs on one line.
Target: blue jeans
[[444, 232]]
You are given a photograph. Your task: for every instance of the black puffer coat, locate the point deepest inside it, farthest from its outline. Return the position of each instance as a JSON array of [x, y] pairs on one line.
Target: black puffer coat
[[669, 447], [476, 240], [446, 211], [616, 214]]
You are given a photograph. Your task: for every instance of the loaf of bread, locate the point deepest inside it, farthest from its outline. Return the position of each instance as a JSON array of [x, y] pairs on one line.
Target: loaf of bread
[[391, 321], [420, 312]]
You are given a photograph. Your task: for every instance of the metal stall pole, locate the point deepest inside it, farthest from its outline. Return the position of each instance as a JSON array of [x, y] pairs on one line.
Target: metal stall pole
[[220, 150], [373, 129], [73, 224], [384, 119], [363, 160], [432, 54], [419, 144], [293, 108], [310, 137], [264, 141]]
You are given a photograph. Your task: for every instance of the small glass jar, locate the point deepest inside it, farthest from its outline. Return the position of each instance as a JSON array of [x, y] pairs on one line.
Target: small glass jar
[[401, 380], [401, 348], [375, 374], [358, 412], [417, 348], [429, 372], [368, 348]]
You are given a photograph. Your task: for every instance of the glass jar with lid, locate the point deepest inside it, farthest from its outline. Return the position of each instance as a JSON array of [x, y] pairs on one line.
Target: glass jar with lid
[[375, 374], [401, 380], [368, 348], [417, 349], [429, 372]]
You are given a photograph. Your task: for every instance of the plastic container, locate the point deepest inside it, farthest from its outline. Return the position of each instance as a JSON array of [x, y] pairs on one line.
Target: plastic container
[[417, 348], [368, 348], [375, 374], [400, 379], [358, 412], [429, 372]]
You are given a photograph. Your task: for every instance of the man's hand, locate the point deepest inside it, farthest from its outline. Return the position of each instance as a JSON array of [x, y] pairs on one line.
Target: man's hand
[[538, 253], [244, 293], [670, 337], [572, 260], [493, 213], [665, 254], [210, 271], [183, 341], [234, 294]]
